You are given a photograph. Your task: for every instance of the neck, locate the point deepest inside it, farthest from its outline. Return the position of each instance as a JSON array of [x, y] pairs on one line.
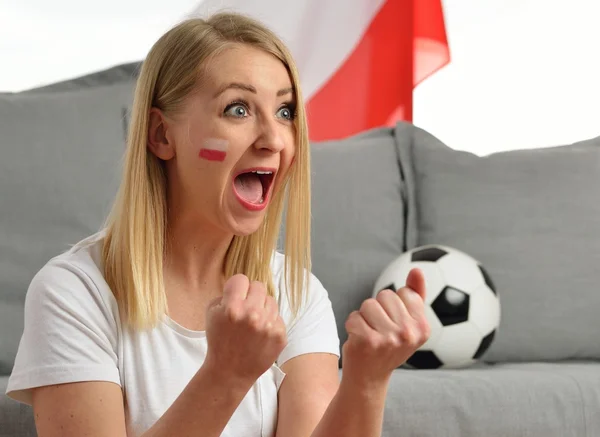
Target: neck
[[195, 255]]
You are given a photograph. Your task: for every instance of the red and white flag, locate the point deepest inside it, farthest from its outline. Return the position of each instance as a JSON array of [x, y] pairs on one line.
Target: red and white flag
[[359, 60]]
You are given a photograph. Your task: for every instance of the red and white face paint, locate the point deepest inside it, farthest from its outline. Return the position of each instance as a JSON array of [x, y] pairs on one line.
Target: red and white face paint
[[214, 150]]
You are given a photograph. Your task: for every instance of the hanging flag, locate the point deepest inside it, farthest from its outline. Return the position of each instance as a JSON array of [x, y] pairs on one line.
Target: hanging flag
[[359, 60]]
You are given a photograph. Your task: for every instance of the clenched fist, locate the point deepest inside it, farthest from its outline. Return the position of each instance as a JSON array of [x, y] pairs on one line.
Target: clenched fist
[[244, 330], [386, 331]]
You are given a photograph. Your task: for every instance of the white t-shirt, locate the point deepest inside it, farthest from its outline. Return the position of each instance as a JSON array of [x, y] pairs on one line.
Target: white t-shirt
[[73, 333]]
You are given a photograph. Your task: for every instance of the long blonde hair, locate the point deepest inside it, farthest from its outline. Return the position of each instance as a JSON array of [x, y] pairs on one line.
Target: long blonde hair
[[134, 244]]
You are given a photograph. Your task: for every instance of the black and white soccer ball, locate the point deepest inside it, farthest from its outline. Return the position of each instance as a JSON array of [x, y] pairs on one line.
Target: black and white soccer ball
[[462, 305]]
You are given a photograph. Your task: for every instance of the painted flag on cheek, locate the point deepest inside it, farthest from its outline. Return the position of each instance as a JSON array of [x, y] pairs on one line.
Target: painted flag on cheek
[[359, 60], [214, 149]]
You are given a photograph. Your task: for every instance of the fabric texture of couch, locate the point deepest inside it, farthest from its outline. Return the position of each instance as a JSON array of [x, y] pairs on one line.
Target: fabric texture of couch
[[532, 217]]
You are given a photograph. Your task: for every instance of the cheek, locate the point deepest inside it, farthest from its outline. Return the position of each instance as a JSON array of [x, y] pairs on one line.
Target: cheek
[[205, 146], [213, 149]]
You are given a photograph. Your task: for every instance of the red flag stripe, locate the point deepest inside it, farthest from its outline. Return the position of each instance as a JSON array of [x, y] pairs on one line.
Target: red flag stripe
[[374, 86]]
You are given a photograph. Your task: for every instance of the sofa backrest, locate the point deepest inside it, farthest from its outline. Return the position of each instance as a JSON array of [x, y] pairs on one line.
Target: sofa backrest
[[532, 218], [360, 214], [60, 165]]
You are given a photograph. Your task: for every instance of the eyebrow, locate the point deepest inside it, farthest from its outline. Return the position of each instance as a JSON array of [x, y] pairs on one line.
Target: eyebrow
[[250, 88], [285, 91]]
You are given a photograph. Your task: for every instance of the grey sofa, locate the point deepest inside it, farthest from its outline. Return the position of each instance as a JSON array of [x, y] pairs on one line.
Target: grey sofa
[[532, 217]]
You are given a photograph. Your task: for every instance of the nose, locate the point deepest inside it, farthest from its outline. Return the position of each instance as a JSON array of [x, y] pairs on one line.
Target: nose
[[270, 136]]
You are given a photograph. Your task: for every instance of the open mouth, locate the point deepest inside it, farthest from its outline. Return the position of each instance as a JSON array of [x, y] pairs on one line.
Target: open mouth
[[253, 186]]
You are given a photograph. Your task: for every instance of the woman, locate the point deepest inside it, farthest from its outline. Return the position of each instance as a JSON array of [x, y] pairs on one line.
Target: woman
[[179, 318]]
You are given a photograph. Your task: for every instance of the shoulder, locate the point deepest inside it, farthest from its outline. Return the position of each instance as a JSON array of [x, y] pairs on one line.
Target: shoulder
[[71, 325], [73, 280], [314, 294], [312, 329], [278, 261], [281, 288]]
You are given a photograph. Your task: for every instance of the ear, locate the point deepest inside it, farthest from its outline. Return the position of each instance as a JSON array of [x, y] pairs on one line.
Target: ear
[[158, 138]]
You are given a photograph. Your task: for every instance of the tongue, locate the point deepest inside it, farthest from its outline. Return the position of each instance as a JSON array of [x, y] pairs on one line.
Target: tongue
[[249, 187]]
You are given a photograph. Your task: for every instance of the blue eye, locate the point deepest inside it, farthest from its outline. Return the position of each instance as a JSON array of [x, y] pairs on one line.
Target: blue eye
[[286, 113], [238, 110]]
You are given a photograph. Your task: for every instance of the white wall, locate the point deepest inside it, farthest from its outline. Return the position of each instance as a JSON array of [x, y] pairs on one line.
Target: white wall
[[44, 41], [524, 73]]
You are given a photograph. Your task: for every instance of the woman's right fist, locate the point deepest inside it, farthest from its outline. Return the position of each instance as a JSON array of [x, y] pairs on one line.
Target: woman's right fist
[[244, 331]]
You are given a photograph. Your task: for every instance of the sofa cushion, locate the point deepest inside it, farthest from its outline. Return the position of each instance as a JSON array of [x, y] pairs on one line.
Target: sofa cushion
[[60, 167], [532, 217], [541, 400], [358, 216], [508, 399]]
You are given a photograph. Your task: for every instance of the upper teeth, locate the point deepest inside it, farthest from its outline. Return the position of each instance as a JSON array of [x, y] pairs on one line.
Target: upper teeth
[[262, 172]]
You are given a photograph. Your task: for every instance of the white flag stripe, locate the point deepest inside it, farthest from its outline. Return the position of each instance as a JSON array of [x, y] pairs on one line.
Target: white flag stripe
[[216, 144], [320, 34]]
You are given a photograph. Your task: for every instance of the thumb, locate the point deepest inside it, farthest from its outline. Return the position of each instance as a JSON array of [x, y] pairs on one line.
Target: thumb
[[416, 282]]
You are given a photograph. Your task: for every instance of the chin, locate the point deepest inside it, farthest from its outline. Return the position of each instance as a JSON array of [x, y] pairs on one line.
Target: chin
[[247, 227]]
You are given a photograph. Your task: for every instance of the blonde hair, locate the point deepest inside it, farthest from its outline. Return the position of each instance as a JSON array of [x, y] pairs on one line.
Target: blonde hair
[[134, 244]]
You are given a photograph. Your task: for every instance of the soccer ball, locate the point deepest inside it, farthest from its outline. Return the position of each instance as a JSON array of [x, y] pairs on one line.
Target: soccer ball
[[462, 306]]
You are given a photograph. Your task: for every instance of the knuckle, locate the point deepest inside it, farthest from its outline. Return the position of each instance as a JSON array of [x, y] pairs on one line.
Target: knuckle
[[422, 326], [258, 287], [282, 333], [409, 336], [254, 320], [385, 295], [401, 293], [234, 313], [425, 331], [351, 319], [369, 304], [353, 315], [348, 323], [282, 341], [375, 342], [238, 280], [392, 341], [279, 334], [419, 304], [354, 324], [271, 303]]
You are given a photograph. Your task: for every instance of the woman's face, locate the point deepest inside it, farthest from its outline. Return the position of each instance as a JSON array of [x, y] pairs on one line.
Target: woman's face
[[232, 144]]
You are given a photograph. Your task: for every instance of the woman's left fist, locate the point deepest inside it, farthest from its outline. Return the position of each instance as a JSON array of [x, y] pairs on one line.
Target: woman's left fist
[[386, 331]]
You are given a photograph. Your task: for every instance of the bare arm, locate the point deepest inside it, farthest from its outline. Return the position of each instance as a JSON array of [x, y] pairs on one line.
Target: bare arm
[[95, 409], [310, 383], [313, 403], [354, 411], [203, 408]]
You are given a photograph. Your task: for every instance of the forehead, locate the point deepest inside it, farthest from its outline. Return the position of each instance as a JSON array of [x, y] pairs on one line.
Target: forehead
[[248, 65]]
